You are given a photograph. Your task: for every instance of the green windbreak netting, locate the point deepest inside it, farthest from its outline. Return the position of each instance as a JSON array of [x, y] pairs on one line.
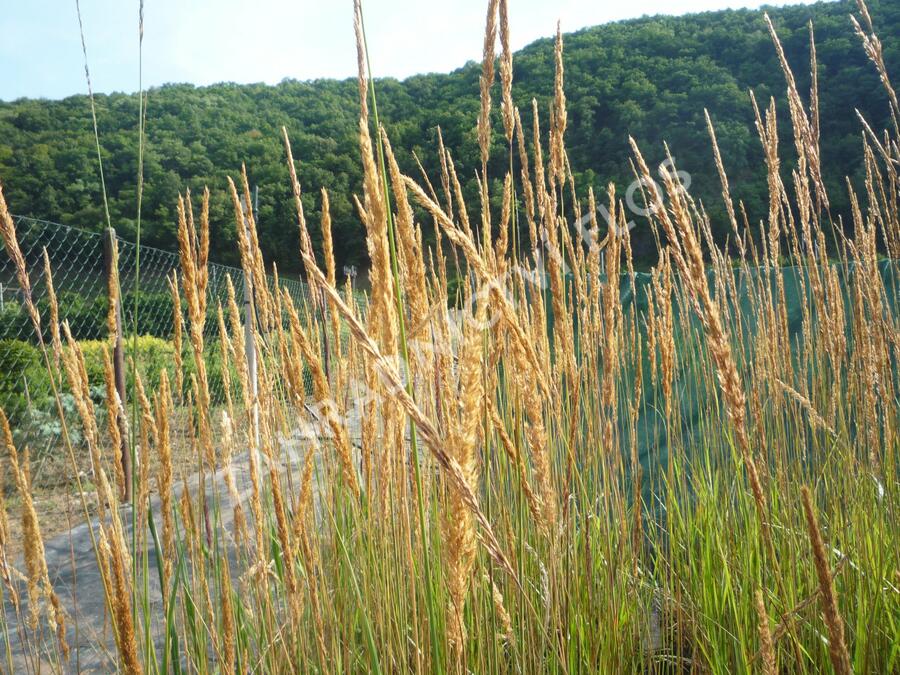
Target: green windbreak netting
[[697, 414]]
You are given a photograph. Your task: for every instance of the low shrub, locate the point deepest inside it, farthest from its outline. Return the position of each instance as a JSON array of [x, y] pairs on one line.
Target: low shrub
[[154, 354], [24, 382]]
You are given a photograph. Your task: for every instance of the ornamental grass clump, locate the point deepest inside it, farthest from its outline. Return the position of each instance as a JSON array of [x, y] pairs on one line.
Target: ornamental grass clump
[[555, 464]]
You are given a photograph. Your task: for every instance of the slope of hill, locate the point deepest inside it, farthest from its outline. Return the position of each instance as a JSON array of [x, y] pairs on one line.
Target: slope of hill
[[650, 78]]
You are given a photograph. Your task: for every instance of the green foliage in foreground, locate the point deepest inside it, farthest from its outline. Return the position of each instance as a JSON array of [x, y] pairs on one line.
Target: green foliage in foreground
[[650, 78]]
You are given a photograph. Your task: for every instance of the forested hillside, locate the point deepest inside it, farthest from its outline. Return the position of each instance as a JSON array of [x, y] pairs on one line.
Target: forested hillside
[[650, 78]]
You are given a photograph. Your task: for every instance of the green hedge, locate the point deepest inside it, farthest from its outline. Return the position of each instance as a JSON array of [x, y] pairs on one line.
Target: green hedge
[[154, 355]]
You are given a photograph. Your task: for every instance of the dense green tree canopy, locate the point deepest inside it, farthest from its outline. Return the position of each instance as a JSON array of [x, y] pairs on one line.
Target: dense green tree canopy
[[650, 78]]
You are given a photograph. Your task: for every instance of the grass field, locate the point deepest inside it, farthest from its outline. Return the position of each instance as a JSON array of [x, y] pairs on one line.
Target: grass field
[[548, 467]]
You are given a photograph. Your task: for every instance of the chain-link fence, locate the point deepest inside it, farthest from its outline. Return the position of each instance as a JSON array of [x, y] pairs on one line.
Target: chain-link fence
[[78, 260]]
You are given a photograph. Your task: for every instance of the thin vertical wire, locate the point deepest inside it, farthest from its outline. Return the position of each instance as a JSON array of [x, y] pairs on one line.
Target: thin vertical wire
[[87, 76]]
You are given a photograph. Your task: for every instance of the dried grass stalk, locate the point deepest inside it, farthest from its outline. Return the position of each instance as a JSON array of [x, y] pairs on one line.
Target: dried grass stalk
[[837, 647]]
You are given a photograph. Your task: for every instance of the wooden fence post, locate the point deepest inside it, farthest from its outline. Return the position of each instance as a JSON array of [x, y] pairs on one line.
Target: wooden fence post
[[109, 242]]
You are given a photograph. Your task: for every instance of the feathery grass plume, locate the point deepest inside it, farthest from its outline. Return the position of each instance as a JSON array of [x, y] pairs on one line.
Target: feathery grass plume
[[331, 275], [11, 243], [426, 429], [540, 184], [237, 342], [559, 116], [327, 244], [39, 585], [76, 375], [637, 471], [445, 171], [413, 271], [177, 328], [228, 620], [292, 364], [226, 350], [813, 86], [555, 263], [149, 437], [487, 248], [612, 318], [55, 340], [834, 329], [305, 497], [248, 246], [576, 257], [193, 255], [506, 74], [114, 549], [462, 444], [7, 575], [362, 66], [873, 49], [775, 308], [191, 535], [188, 257], [113, 415], [256, 507], [305, 241], [203, 250], [768, 136], [373, 211], [460, 201], [767, 646], [165, 472], [261, 291], [723, 179], [527, 187], [814, 417], [506, 214], [662, 323], [882, 201], [630, 537], [805, 137], [837, 647], [486, 83]]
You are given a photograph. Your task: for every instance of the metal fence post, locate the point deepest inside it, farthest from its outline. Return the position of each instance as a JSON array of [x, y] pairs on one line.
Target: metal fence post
[[109, 243]]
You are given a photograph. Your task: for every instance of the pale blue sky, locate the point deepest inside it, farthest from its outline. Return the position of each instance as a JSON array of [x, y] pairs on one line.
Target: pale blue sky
[[207, 41]]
